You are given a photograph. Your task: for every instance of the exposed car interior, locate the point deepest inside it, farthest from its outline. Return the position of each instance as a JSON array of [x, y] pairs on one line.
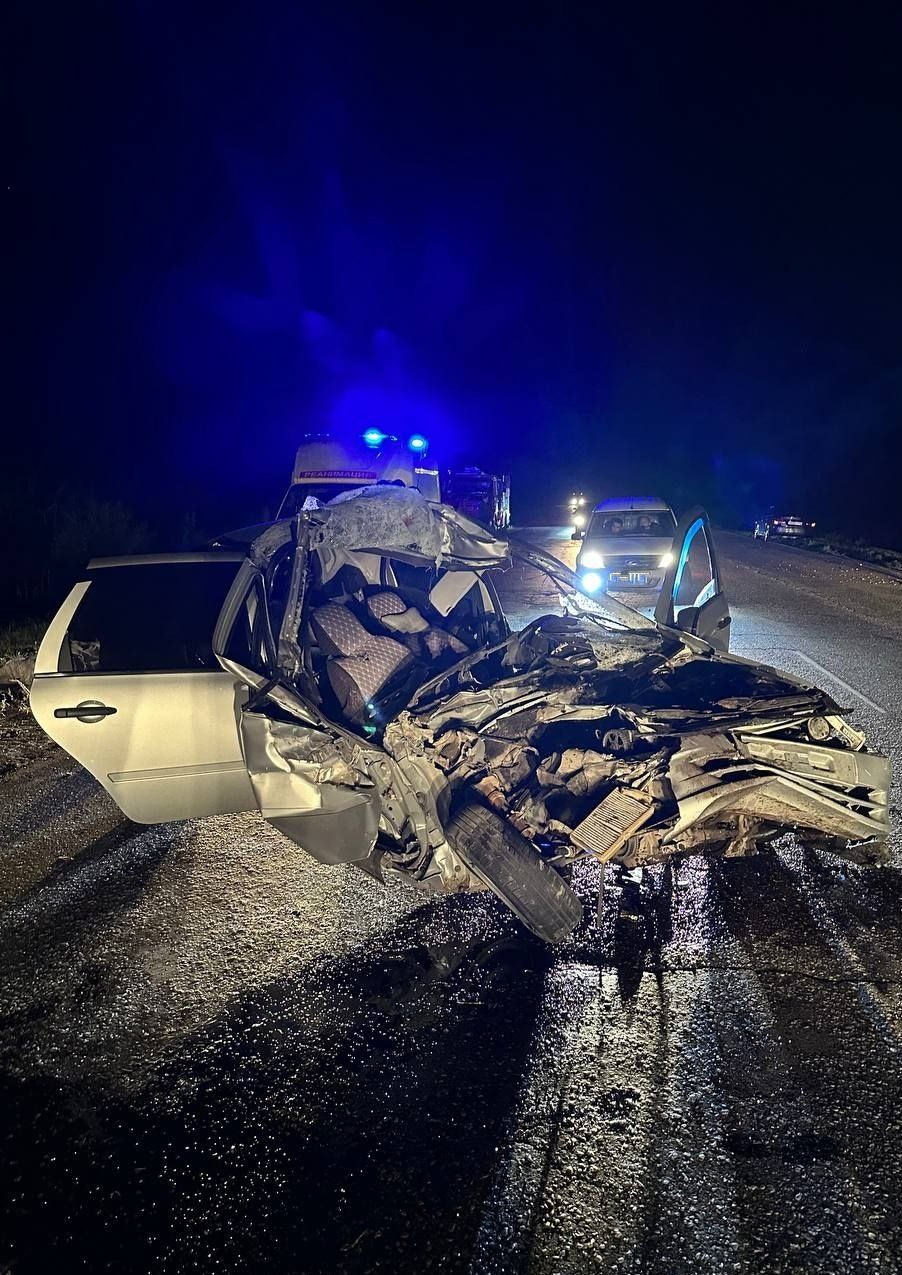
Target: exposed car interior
[[652, 522], [370, 646]]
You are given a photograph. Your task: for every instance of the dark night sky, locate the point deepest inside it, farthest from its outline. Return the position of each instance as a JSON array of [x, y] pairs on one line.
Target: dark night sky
[[638, 248]]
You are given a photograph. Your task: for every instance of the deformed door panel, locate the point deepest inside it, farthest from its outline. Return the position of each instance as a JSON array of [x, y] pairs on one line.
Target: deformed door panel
[[308, 790]]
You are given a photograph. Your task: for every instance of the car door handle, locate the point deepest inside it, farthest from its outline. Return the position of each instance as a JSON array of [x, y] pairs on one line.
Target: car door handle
[[83, 711]]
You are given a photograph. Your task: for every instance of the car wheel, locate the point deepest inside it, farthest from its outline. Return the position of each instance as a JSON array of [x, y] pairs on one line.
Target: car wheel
[[514, 870]]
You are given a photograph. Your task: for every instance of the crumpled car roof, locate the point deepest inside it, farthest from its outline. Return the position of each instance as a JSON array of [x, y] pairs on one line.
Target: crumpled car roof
[[399, 521]]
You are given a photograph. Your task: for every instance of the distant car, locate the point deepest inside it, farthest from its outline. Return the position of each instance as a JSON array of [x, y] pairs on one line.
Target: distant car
[[628, 544], [783, 527], [576, 513]]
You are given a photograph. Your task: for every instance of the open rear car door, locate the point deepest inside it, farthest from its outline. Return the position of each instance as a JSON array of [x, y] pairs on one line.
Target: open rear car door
[[127, 683], [692, 600], [301, 783]]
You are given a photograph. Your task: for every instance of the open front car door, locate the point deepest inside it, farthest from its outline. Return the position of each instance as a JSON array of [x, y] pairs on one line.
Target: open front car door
[[692, 600]]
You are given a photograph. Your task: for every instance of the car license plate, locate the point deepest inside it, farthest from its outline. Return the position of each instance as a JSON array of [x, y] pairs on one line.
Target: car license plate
[[638, 577]]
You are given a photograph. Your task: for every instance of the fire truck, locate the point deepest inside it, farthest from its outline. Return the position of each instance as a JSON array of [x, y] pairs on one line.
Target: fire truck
[[485, 497], [327, 465]]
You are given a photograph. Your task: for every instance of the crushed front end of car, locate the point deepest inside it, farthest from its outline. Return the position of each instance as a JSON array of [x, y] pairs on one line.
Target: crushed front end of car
[[620, 747], [397, 724]]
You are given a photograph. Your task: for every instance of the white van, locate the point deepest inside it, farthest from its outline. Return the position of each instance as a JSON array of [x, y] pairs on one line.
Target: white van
[[628, 544]]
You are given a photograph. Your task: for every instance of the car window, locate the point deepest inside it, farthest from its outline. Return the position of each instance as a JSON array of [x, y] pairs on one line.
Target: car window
[[653, 522], [246, 643], [694, 583], [148, 617]]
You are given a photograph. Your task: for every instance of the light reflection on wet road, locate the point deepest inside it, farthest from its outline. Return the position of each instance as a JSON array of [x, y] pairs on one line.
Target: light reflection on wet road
[[217, 1056]]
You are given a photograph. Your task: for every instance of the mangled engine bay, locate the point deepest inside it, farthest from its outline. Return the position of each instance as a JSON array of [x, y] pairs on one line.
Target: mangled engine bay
[[606, 745], [410, 733]]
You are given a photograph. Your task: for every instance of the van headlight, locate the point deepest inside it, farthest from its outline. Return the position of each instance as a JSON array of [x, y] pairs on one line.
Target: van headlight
[[666, 559], [591, 582], [591, 560]]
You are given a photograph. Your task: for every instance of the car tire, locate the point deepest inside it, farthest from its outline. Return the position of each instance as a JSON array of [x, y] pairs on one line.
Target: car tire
[[514, 870]]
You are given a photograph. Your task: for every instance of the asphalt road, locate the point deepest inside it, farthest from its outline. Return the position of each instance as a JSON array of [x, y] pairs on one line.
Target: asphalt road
[[216, 1055]]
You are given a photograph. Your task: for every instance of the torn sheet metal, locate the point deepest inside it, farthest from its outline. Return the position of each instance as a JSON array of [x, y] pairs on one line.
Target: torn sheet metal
[[311, 789], [613, 821], [588, 733], [790, 782], [384, 518]]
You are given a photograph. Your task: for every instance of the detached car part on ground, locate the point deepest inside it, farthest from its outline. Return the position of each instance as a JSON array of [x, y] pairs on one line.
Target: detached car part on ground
[[361, 687]]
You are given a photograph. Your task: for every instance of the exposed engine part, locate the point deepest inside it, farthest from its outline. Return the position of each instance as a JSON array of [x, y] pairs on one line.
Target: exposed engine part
[[619, 740], [442, 873], [818, 729], [856, 739], [613, 821], [745, 841], [642, 848]]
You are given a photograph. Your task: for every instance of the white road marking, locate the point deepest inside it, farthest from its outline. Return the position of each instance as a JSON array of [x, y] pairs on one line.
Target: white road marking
[[845, 685]]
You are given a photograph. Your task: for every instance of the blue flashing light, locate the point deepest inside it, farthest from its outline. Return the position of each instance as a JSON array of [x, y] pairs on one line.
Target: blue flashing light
[[373, 437], [417, 443], [591, 582]]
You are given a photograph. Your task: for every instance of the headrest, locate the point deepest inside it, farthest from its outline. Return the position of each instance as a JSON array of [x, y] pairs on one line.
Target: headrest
[[394, 614], [337, 630], [382, 604]]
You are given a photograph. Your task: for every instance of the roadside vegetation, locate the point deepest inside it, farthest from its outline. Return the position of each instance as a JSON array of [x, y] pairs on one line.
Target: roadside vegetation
[[21, 638], [846, 547], [860, 550], [47, 538]]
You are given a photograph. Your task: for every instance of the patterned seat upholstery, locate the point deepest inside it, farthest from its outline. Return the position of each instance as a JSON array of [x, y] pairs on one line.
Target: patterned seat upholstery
[[358, 663], [382, 604], [393, 613]]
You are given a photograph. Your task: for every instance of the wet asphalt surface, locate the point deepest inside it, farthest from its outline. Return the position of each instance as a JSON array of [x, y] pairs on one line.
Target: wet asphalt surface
[[216, 1055]]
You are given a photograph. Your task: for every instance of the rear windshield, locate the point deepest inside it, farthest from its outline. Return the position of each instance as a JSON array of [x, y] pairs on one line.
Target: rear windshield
[[148, 617], [652, 522]]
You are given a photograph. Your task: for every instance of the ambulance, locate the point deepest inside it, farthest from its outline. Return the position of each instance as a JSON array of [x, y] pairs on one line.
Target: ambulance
[[327, 465]]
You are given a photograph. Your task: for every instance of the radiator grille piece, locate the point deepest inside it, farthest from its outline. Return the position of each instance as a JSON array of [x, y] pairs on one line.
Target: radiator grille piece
[[613, 821]]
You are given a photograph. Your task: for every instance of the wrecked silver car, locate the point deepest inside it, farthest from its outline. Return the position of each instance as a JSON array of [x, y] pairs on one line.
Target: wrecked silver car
[[360, 685]]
